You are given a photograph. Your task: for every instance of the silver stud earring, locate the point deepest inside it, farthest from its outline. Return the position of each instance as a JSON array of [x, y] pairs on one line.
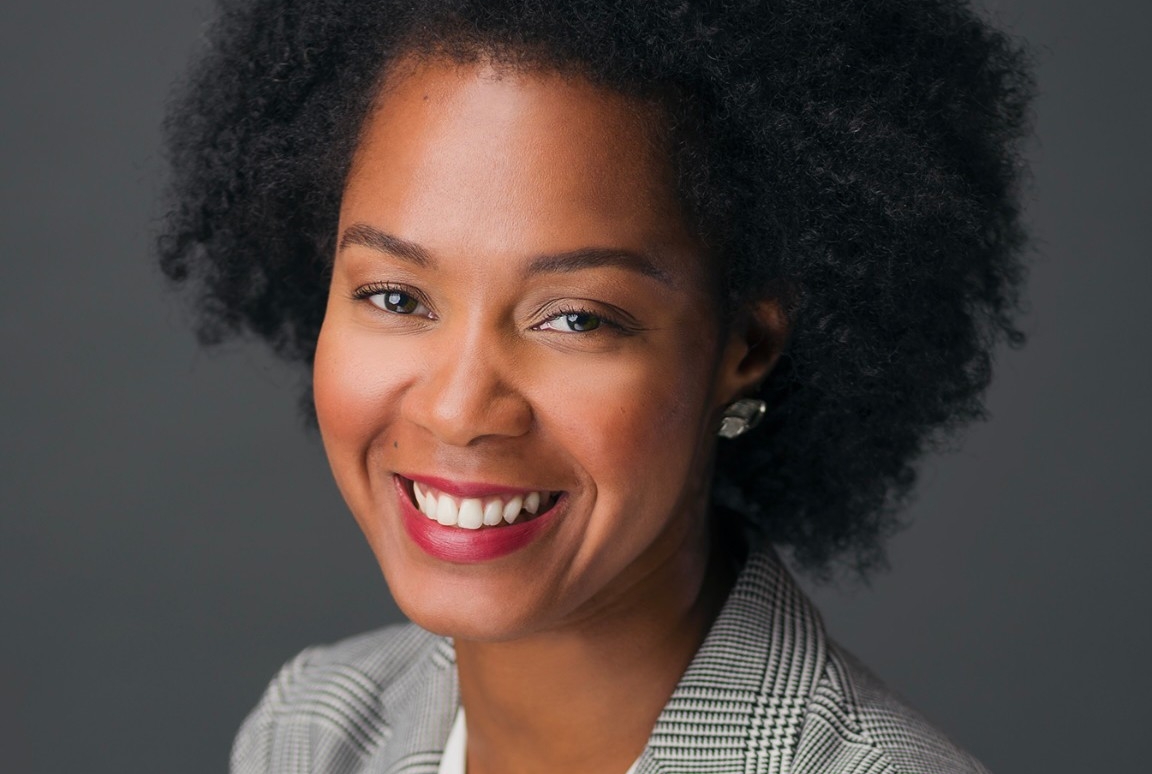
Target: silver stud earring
[[742, 416]]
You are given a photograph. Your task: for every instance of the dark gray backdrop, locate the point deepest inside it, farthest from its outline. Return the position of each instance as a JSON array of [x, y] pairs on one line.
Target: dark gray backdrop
[[157, 501]]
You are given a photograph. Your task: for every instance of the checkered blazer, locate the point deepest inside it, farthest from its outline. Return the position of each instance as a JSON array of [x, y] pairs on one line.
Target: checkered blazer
[[767, 693]]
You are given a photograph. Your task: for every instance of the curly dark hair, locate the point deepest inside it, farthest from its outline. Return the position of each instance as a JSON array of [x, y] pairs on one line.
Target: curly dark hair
[[860, 160]]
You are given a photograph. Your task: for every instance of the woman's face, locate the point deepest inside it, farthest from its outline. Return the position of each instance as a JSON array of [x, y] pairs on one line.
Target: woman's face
[[518, 312]]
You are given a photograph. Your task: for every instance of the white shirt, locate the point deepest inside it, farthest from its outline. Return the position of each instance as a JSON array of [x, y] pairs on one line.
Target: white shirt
[[455, 750]]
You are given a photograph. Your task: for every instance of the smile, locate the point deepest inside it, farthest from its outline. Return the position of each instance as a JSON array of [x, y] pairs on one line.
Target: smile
[[476, 512], [466, 523]]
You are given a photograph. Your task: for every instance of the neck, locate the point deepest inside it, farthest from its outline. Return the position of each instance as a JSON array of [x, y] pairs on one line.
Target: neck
[[585, 697]]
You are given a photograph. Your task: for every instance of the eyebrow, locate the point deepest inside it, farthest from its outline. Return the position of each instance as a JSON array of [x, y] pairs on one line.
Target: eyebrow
[[368, 236], [593, 257], [557, 263]]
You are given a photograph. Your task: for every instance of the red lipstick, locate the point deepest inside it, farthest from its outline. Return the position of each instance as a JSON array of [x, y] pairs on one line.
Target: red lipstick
[[468, 546], [466, 488]]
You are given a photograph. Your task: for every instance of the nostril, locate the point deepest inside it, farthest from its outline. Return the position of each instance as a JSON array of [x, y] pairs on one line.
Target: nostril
[[468, 414]]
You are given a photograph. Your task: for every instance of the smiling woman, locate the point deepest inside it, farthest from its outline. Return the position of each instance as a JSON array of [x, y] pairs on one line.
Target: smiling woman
[[543, 267], [545, 262]]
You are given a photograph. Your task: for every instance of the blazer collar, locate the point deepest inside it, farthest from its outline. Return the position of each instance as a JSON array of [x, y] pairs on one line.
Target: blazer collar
[[738, 707], [742, 700]]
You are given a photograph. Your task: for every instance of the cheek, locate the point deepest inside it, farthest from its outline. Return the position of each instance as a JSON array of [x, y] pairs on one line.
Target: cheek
[[344, 389], [355, 384], [633, 419], [634, 428]]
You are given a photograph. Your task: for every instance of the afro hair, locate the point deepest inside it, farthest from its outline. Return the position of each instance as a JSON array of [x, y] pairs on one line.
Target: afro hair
[[859, 160]]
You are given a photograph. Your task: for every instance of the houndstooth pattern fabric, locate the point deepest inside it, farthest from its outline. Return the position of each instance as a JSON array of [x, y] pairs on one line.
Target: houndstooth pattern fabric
[[767, 693]]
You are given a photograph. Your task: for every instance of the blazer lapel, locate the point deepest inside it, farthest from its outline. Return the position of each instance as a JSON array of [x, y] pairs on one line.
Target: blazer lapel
[[419, 711], [740, 704]]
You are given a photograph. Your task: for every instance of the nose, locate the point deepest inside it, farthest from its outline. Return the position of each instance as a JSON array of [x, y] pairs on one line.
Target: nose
[[469, 390]]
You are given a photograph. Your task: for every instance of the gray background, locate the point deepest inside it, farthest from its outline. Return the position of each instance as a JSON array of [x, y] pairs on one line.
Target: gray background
[[157, 501]]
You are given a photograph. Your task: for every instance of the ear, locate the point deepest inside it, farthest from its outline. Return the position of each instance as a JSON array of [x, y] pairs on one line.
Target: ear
[[754, 344]]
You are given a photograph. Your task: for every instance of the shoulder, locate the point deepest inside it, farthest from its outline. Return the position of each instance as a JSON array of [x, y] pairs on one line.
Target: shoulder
[[329, 703], [768, 691], [856, 723]]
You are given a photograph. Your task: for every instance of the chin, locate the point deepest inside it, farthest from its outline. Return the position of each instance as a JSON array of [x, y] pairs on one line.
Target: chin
[[462, 609]]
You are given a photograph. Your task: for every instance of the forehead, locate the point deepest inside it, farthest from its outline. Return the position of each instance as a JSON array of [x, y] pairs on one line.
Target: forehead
[[492, 159]]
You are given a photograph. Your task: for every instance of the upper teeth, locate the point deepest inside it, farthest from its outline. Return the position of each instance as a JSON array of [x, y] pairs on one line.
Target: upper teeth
[[474, 512]]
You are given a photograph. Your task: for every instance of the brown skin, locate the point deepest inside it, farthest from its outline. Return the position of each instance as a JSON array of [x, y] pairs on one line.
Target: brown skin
[[568, 648]]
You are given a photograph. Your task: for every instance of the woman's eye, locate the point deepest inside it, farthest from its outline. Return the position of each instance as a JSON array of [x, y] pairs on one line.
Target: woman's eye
[[573, 322], [396, 301]]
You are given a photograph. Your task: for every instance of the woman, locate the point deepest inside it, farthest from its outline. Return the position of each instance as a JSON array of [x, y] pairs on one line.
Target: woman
[[602, 301]]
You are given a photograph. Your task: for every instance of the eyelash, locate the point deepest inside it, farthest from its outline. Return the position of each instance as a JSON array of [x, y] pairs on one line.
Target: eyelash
[[608, 324], [605, 320], [366, 292]]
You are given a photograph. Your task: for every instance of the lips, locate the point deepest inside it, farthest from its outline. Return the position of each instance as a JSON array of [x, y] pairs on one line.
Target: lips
[[468, 523]]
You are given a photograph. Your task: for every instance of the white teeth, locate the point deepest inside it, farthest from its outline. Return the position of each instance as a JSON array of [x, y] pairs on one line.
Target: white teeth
[[512, 509], [474, 512], [426, 501], [471, 514], [446, 511], [493, 512]]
